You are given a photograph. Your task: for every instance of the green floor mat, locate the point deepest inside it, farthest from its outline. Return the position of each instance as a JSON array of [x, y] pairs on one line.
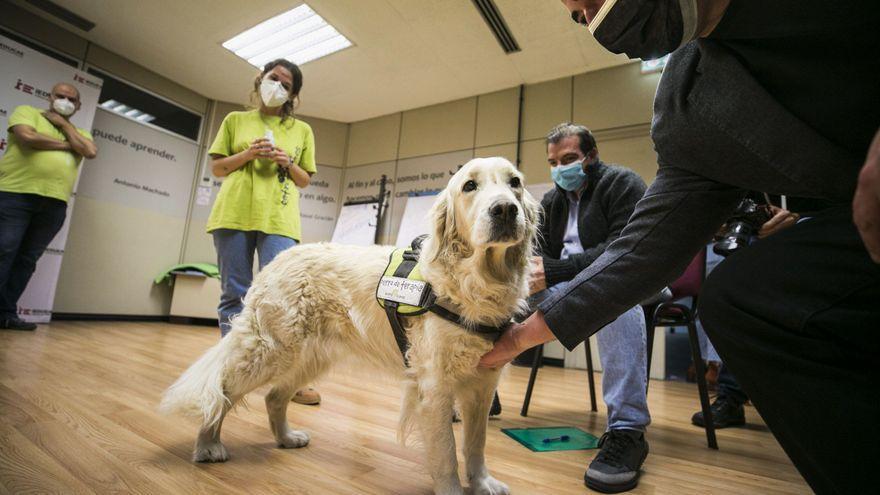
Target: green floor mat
[[552, 438]]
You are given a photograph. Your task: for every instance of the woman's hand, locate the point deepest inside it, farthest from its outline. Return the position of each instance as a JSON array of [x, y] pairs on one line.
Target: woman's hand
[[280, 157], [259, 148]]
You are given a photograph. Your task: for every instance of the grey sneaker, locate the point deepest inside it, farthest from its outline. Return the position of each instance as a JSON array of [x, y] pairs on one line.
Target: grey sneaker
[[16, 323], [616, 468]]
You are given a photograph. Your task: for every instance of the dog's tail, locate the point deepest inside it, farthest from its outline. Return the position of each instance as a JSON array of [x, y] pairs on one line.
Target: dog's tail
[[200, 391]]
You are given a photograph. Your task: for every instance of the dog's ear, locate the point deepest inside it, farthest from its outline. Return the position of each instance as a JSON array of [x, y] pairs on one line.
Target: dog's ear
[[442, 220], [446, 242], [442, 216]]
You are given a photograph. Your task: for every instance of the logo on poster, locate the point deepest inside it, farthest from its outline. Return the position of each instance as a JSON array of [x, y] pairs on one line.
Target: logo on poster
[[11, 49], [31, 90], [88, 82]]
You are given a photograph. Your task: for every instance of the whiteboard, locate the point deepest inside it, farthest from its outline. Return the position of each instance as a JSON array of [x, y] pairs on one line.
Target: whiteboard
[[356, 225], [415, 219]]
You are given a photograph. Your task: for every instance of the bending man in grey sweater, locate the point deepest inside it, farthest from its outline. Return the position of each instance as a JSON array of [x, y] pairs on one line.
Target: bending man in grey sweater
[[769, 96]]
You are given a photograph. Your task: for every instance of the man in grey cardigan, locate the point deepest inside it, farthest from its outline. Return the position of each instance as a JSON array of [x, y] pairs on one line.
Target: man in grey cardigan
[[582, 215], [780, 97]]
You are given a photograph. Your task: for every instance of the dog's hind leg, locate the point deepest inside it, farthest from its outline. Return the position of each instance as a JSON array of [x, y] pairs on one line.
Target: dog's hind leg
[[208, 446], [475, 399], [276, 406], [303, 372]]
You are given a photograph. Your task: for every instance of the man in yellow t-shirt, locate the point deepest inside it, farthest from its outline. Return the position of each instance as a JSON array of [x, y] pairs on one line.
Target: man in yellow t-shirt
[[37, 174]]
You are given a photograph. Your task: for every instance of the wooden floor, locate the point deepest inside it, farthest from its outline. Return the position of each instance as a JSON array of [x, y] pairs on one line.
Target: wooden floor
[[78, 415]]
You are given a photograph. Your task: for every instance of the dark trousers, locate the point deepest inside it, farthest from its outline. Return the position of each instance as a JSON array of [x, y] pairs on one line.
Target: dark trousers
[[28, 223], [729, 388], [796, 317]]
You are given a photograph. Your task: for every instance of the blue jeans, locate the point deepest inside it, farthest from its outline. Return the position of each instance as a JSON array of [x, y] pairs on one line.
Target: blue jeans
[[235, 257], [623, 351], [28, 223]]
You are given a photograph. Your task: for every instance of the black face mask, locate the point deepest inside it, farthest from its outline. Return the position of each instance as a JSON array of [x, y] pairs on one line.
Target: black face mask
[[645, 29]]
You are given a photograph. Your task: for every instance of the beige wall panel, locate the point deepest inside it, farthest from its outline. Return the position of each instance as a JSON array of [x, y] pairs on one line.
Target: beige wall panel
[[636, 153], [497, 117], [373, 140], [120, 67], [533, 155], [616, 97], [33, 26], [503, 150], [221, 110], [331, 138], [438, 128], [112, 255], [199, 244], [545, 105]]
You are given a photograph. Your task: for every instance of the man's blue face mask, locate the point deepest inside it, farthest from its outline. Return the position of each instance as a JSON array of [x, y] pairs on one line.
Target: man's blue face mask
[[570, 177]]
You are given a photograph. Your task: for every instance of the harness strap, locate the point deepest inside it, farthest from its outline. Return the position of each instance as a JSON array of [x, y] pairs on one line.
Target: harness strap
[[493, 332], [397, 329]]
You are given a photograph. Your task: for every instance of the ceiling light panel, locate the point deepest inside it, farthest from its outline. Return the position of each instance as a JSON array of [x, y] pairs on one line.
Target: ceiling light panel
[[299, 35]]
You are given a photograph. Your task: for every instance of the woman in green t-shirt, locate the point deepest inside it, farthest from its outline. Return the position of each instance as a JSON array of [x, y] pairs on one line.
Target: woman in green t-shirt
[[265, 156]]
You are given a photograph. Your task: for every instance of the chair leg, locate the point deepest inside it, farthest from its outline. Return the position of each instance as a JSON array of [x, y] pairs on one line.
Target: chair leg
[[649, 341], [701, 385], [539, 354], [590, 377]]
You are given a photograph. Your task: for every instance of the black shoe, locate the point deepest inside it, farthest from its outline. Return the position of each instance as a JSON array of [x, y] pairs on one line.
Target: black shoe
[[725, 413], [616, 468], [15, 323], [495, 411]]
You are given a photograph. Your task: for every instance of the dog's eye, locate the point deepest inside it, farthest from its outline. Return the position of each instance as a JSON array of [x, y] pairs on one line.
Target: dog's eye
[[515, 182], [469, 186]]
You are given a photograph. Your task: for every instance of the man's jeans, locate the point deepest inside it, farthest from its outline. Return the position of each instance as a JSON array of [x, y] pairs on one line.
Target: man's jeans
[[623, 353], [235, 257], [28, 223]]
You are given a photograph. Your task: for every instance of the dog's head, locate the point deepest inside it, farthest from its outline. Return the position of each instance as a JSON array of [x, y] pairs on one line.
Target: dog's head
[[485, 205]]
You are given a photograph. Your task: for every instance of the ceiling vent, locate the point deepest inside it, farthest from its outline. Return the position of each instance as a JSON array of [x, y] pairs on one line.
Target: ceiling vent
[[65, 15], [496, 23]]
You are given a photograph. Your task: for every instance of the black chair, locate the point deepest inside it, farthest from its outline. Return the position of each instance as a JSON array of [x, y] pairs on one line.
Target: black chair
[[674, 314], [539, 356]]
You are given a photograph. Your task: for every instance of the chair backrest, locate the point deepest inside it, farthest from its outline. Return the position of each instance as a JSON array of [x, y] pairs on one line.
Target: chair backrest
[[689, 283]]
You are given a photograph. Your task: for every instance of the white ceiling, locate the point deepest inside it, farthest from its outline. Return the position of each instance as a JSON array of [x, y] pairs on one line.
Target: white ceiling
[[406, 53]]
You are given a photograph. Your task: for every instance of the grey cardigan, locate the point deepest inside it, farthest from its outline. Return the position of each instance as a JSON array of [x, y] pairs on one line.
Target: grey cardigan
[[740, 110], [605, 206]]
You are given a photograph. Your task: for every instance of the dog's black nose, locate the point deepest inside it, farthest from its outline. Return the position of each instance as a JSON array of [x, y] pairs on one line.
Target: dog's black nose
[[503, 211]]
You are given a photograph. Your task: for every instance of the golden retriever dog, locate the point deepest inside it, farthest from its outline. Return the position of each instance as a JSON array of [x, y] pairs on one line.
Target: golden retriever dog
[[315, 305]]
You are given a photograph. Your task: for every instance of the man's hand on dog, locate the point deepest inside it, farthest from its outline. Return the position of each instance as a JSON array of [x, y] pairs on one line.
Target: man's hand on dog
[[516, 339]]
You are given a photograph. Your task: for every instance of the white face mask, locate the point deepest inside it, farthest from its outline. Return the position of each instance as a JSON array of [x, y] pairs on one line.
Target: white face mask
[[272, 93], [63, 106]]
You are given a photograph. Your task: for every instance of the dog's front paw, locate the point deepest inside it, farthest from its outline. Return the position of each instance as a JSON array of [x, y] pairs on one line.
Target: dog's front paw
[[210, 452], [294, 439], [489, 486]]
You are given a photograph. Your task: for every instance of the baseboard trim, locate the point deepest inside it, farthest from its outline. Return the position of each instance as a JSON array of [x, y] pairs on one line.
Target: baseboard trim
[[106, 317], [559, 363]]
